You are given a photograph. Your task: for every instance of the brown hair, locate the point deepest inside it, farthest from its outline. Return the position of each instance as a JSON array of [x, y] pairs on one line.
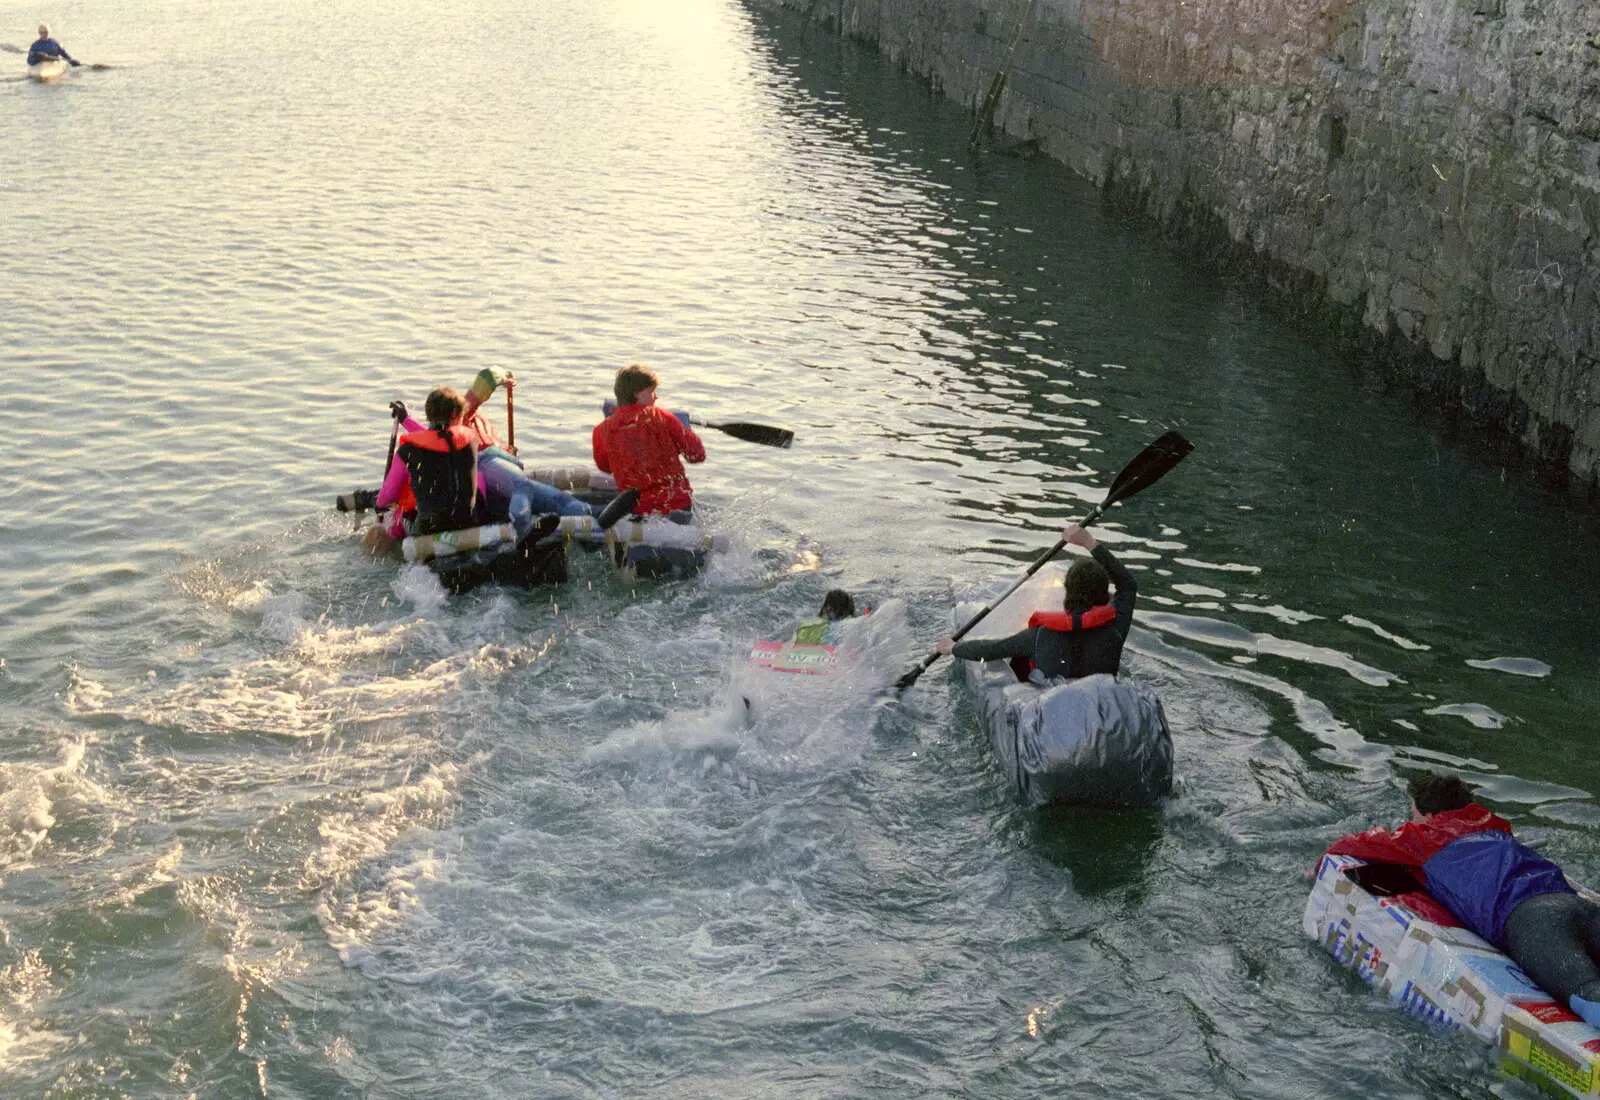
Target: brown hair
[[632, 381], [1433, 793], [1087, 586], [443, 406], [837, 604]]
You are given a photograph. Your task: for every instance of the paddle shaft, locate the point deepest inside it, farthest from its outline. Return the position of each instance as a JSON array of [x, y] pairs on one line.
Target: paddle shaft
[[511, 422], [394, 437]]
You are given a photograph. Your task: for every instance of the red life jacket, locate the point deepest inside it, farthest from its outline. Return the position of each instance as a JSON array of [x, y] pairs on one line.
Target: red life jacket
[[443, 469], [1103, 615]]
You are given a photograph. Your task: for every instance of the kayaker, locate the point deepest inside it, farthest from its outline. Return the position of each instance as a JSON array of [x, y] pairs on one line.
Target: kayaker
[[47, 49], [837, 606], [1086, 636], [437, 467], [643, 446], [1466, 858]]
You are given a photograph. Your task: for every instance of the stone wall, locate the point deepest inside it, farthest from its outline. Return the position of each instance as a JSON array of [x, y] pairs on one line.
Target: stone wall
[[1425, 172]]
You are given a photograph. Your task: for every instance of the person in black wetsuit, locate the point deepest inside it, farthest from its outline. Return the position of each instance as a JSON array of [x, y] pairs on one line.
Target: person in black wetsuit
[[1082, 639]]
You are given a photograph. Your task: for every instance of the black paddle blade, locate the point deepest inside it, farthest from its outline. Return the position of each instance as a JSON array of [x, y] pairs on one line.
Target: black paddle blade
[[1148, 467], [756, 433], [621, 504]]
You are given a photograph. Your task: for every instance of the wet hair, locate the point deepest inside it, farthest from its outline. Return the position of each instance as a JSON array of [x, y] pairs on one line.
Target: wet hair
[[44, 31], [1088, 585], [1433, 793], [837, 604], [443, 406], [632, 381]]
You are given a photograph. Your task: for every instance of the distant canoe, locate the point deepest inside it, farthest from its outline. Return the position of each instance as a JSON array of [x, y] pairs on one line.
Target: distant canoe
[[48, 71]]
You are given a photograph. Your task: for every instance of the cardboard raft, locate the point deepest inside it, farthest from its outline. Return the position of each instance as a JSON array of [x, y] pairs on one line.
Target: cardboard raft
[[1451, 979]]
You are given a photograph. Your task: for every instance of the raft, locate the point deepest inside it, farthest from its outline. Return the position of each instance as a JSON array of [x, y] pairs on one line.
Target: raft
[[1409, 948], [646, 547], [1094, 741]]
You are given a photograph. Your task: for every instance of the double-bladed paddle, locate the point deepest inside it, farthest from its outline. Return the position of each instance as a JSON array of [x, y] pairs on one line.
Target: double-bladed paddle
[[1148, 467]]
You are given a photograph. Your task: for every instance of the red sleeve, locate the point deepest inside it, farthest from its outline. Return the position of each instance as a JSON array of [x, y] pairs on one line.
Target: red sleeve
[[689, 445], [602, 459], [1403, 846]]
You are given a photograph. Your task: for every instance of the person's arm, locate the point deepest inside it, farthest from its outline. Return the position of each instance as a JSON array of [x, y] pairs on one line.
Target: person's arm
[[689, 445], [1019, 644], [74, 62], [1127, 589], [602, 458], [395, 480]]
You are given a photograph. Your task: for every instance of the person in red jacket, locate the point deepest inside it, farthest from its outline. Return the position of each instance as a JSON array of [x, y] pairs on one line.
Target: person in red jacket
[[1466, 858], [643, 446]]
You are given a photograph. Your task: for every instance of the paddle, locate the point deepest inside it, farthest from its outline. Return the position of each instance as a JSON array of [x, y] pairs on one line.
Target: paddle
[[763, 434], [750, 433], [511, 421], [1147, 468]]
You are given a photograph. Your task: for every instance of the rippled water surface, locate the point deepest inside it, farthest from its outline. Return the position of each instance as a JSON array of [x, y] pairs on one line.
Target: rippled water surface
[[276, 819]]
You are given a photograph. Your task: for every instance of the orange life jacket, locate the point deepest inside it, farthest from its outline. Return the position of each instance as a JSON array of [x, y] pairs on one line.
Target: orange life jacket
[[1103, 615], [443, 469]]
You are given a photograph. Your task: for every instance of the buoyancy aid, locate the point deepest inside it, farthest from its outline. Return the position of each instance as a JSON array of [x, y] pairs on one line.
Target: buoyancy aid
[[443, 468], [1067, 622], [1102, 615]]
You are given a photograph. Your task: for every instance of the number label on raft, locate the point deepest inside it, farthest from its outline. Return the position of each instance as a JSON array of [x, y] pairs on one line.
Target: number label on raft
[[812, 660]]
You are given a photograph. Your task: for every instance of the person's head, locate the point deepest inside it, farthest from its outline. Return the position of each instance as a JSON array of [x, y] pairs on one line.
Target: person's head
[[44, 31], [444, 407], [837, 604], [1432, 793], [636, 384], [1088, 585]]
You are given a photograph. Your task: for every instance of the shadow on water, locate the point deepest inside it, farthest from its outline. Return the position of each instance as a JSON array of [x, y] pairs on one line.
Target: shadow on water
[[1105, 850]]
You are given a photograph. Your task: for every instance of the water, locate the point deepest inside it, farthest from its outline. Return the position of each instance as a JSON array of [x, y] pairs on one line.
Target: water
[[276, 819]]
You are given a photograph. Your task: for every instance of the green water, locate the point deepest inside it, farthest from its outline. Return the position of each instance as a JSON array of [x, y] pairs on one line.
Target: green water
[[279, 820]]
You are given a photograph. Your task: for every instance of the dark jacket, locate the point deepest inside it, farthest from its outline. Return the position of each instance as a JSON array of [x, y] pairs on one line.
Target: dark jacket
[[1069, 653], [45, 49]]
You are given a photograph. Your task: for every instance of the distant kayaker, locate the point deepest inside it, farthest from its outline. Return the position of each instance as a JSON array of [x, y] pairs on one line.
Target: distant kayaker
[[1082, 639], [1466, 859], [837, 606], [643, 446], [48, 49]]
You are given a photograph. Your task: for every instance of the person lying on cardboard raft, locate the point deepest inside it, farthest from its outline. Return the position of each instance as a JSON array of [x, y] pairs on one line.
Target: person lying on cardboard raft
[[1466, 858]]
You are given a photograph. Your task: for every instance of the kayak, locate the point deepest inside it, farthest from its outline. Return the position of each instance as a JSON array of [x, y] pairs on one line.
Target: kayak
[[47, 71], [463, 560], [1094, 741], [1410, 948]]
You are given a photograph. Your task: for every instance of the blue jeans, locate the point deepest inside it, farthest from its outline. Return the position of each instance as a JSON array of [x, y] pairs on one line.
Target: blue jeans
[[510, 491]]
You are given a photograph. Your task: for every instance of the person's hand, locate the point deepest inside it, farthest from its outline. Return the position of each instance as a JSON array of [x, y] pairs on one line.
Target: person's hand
[[509, 381], [945, 645], [398, 410], [1078, 536], [75, 64]]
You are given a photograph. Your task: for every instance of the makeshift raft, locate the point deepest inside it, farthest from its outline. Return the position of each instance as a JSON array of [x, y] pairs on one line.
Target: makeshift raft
[[1450, 978], [1094, 741]]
